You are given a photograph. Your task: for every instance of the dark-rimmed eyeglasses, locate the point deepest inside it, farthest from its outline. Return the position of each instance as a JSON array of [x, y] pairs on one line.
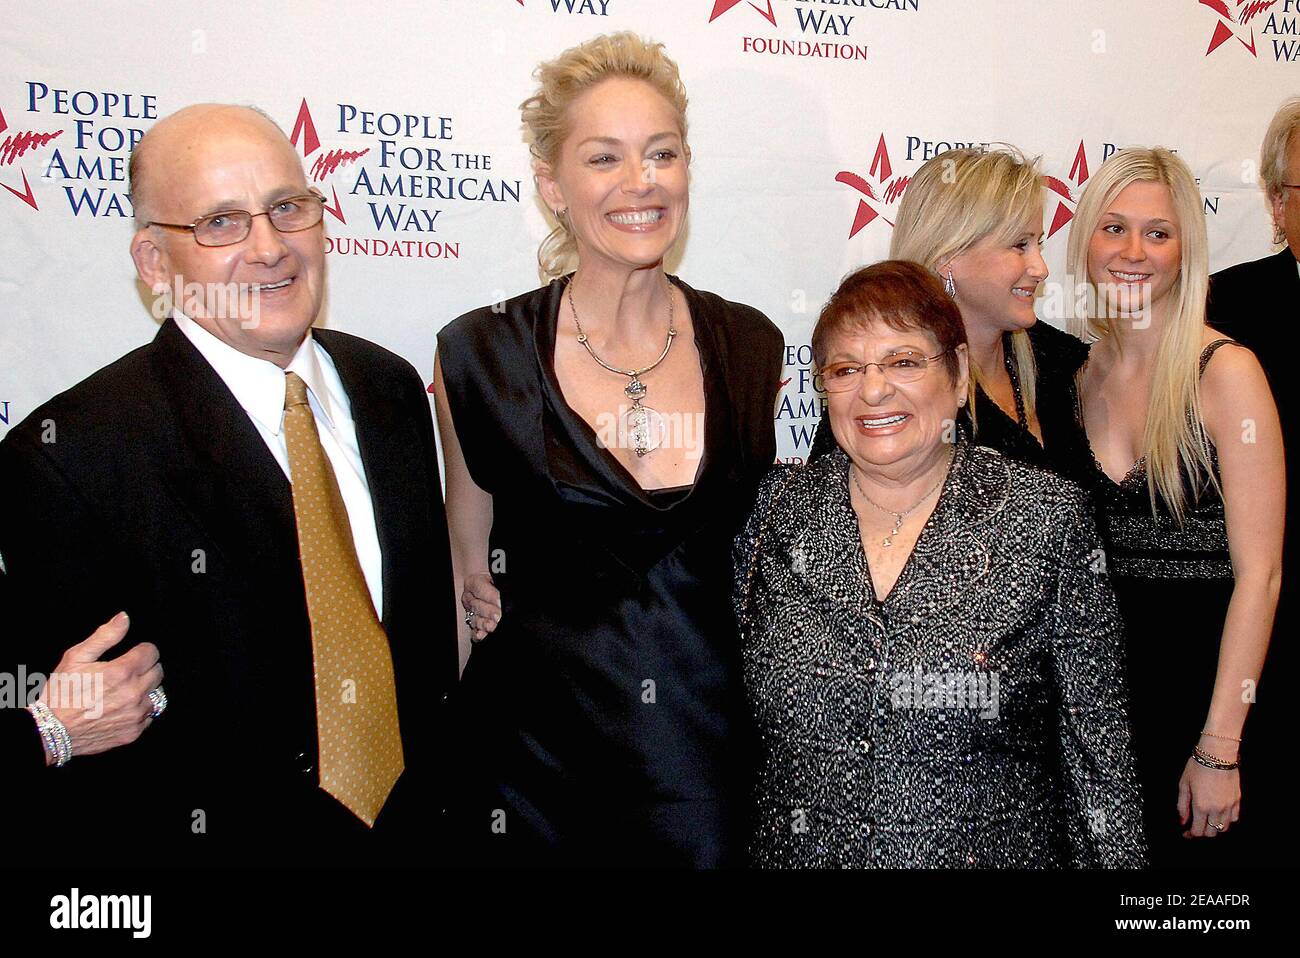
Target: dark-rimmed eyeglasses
[[904, 367], [227, 227]]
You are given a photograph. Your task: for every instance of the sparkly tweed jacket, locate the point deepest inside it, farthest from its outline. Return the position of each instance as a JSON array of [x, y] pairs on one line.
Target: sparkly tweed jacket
[[974, 719]]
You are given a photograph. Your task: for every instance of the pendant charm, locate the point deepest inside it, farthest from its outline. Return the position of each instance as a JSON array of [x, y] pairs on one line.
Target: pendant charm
[[643, 428], [889, 539], [635, 390]]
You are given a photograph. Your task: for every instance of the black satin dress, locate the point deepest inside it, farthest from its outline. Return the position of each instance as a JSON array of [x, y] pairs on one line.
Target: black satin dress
[[603, 722], [1057, 357]]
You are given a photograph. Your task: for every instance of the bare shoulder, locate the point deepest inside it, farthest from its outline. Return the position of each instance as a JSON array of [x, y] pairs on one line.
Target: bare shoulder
[[1234, 389], [1230, 368]]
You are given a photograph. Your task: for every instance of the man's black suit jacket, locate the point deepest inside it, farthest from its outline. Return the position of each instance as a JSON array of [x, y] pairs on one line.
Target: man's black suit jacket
[[148, 488], [1258, 304]]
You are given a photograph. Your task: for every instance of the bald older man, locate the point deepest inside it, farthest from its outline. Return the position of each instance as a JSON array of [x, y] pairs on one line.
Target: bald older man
[[263, 499]]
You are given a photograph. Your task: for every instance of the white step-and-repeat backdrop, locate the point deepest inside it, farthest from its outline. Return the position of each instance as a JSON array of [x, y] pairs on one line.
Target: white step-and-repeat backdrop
[[807, 118]]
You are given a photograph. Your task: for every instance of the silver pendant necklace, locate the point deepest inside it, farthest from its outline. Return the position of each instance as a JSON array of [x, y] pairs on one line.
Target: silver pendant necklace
[[642, 425], [888, 541]]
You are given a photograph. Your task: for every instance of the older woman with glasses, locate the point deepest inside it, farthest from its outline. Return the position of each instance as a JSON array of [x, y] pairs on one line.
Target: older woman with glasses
[[931, 648]]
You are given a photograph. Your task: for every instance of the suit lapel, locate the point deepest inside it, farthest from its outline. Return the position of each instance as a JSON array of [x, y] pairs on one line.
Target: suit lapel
[[221, 469], [391, 450], [1288, 274]]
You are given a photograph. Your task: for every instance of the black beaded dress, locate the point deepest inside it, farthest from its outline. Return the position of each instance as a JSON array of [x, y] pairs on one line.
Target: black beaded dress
[[1173, 585], [603, 722]]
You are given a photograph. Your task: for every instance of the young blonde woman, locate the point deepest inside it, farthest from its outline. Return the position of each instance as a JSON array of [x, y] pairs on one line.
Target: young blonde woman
[[1189, 476], [975, 219], [604, 438]]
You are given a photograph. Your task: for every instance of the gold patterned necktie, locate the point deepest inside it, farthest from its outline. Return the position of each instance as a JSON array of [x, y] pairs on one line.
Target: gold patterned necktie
[[356, 698]]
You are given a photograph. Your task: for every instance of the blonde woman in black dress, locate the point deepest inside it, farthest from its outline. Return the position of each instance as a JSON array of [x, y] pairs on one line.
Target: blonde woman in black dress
[[604, 436], [1187, 465]]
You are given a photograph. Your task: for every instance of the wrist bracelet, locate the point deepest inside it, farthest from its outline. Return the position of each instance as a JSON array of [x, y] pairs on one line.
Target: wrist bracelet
[[1226, 738], [1202, 757], [54, 733]]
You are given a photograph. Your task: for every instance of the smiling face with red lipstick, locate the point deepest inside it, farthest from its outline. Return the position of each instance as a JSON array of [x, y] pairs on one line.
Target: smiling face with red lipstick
[[889, 420], [621, 176], [892, 352]]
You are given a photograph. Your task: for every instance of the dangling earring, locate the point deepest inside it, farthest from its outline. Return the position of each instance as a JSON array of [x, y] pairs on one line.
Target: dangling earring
[[1279, 235], [949, 286]]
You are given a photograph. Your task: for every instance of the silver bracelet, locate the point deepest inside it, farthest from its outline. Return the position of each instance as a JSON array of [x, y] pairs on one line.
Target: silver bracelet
[[55, 734]]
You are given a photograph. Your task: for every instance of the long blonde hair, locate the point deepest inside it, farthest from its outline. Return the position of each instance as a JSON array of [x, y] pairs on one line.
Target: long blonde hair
[[1174, 441], [563, 80], [955, 200]]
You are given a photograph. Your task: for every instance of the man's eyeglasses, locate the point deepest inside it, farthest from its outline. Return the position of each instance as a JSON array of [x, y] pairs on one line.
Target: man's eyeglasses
[[906, 367], [227, 227]]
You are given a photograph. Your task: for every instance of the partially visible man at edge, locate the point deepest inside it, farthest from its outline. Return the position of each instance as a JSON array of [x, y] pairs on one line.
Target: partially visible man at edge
[[1258, 304], [263, 499]]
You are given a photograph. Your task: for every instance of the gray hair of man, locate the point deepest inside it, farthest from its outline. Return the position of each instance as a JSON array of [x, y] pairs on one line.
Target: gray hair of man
[[1274, 152]]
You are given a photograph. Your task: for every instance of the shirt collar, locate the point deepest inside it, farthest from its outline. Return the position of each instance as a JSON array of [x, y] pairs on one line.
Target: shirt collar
[[258, 384]]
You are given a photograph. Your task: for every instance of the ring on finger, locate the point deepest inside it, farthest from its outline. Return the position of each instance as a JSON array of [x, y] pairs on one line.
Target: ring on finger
[[159, 699], [469, 618], [1218, 826]]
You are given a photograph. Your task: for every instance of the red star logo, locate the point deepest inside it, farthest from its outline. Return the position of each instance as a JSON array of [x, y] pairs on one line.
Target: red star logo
[[1078, 176], [326, 163], [304, 127], [1224, 29], [722, 6], [14, 146], [889, 189]]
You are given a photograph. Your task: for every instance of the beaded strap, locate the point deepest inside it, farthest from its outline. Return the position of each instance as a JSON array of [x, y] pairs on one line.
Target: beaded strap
[[1211, 349]]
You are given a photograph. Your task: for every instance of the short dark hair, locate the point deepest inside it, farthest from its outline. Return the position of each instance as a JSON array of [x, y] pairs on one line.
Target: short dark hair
[[898, 293]]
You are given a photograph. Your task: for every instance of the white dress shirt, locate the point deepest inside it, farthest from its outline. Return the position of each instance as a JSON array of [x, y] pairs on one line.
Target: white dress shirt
[[258, 386]]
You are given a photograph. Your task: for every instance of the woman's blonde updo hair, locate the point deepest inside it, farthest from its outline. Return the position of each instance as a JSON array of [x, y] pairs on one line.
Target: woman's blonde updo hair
[[563, 80]]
